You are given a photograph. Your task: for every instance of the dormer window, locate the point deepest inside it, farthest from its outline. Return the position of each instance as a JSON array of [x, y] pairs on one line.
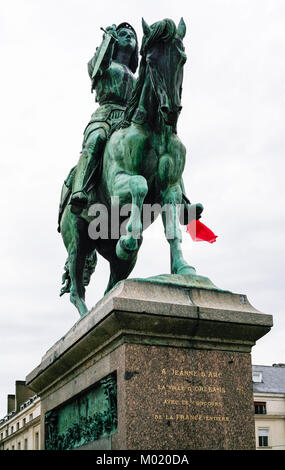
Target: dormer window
[[257, 377]]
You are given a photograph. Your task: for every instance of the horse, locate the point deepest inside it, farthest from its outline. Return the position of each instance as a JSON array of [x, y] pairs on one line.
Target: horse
[[142, 165]]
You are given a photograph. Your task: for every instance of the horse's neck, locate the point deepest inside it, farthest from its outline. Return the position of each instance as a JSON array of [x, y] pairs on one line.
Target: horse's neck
[[148, 105]]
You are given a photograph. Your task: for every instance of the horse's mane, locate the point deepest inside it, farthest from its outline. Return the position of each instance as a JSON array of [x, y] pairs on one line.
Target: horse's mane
[[164, 30]]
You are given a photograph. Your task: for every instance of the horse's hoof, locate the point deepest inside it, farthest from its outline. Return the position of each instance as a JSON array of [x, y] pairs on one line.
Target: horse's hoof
[[79, 304], [126, 248], [185, 270], [83, 310]]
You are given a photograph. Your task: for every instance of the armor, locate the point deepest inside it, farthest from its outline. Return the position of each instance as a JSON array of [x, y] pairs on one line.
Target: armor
[[113, 83]]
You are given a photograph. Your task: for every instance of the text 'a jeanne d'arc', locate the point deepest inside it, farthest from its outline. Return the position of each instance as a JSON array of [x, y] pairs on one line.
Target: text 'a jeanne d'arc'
[[191, 373]]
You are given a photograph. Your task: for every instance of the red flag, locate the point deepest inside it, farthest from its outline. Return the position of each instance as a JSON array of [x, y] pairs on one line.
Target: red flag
[[199, 232]]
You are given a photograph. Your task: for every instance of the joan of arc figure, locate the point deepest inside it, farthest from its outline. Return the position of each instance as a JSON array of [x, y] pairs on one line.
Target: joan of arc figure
[[111, 71]]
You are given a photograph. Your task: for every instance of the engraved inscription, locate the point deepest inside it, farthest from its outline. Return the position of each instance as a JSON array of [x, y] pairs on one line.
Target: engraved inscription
[[195, 373], [186, 417], [180, 389], [190, 388]]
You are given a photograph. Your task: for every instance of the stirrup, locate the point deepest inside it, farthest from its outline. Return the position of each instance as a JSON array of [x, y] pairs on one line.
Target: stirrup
[[79, 201], [77, 204]]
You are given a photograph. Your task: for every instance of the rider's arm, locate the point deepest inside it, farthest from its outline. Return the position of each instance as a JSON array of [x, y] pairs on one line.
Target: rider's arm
[[105, 61]]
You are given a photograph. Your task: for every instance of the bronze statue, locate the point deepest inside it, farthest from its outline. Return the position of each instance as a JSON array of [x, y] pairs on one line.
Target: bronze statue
[[131, 156]]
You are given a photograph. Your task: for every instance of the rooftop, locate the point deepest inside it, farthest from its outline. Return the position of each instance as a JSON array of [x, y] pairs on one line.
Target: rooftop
[[272, 379], [23, 406]]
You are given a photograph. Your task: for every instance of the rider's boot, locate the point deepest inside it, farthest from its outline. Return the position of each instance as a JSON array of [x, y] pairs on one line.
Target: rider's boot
[[85, 171], [189, 211], [88, 170]]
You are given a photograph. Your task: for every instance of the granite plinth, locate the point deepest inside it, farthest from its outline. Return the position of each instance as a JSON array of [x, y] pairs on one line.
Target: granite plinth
[[182, 360]]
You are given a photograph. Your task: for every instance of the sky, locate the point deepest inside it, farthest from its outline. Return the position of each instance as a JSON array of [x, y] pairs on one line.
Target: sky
[[232, 125]]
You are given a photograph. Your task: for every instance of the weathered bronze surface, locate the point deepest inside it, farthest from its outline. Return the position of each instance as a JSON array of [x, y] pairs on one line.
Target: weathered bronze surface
[[131, 155], [84, 419]]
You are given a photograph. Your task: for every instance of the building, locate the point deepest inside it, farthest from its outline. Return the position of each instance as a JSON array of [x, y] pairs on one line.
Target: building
[[269, 406], [20, 428]]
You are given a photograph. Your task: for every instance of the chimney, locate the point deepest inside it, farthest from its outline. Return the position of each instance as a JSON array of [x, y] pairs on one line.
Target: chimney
[[11, 403], [23, 393]]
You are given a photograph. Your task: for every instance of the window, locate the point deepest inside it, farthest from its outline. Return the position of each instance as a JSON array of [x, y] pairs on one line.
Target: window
[[19, 445], [263, 436], [260, 408], [24, 421], [12, 429], [18, 426], [36, 441], [13, 447], [31, 417], [257, 377], [1, 435], [26, 444]]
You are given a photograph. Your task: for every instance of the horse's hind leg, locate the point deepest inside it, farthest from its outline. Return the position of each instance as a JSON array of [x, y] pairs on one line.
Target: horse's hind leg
[[77, 289], [119, 270], [76, 259], [171, 197]]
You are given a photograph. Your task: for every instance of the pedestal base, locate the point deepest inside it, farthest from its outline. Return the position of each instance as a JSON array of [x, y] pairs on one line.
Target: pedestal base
[[153, 366]]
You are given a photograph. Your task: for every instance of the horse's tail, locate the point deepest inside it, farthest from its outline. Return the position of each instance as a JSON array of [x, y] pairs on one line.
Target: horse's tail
[[65, 280], [65, 194], [89, 268]]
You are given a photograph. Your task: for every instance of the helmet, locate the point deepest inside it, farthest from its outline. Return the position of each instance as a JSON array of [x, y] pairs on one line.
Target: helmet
[[135, 56]]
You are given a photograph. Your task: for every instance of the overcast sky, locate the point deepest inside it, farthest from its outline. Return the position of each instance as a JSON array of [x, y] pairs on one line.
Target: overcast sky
[[232, 124]]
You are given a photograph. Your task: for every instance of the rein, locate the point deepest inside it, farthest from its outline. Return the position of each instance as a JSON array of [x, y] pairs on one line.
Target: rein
[[158, 84]]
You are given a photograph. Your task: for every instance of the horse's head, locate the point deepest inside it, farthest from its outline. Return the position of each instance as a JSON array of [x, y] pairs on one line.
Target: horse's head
[[163, 51]]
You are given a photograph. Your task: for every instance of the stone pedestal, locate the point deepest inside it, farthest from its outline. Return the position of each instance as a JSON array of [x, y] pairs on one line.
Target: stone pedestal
[[175, 355]]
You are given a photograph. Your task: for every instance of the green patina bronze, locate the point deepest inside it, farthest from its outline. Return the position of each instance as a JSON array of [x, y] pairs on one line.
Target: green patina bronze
[[130, 151], [87, 418], [201, 282]]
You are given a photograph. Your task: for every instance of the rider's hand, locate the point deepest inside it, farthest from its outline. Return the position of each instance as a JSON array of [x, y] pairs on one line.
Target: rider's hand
[[112, 31]]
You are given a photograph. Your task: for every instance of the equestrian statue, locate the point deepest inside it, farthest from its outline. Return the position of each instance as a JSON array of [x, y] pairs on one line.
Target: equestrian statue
[[131, 157]]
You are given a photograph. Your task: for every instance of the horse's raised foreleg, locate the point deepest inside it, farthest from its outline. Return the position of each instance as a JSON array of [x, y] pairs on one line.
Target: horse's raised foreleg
[[131, 189]]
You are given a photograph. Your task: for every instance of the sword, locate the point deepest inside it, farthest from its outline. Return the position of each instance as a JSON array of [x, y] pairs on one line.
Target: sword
[[103, 48]]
